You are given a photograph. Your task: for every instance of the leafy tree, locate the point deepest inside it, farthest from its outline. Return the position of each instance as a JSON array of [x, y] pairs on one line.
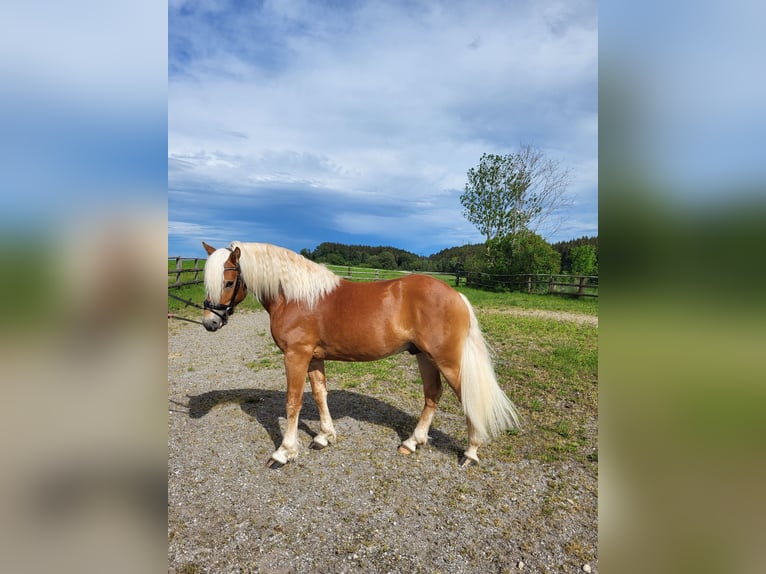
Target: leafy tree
[[333, 259], [535, 255], [565, 248], [457, 258], [583, 260], [531, 254], [512, 195], [387, 260]]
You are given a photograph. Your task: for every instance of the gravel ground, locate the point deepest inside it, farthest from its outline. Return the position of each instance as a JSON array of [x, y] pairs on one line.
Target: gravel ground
[[357, 506]]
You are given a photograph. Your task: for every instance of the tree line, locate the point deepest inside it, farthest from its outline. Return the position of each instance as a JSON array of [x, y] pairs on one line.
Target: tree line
[[577, 256]]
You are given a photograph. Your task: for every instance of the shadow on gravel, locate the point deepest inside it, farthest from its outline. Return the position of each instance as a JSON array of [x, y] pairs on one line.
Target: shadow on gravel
[[267, 406]]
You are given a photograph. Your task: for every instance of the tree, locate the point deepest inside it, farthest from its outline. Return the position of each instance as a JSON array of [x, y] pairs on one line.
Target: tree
[[583, 260], [535, 255], [565, 248], [387, 260], [531, 254], [512, 195]]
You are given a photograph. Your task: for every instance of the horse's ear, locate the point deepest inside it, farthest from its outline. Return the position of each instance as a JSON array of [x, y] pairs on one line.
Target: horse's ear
[[234, 257], [208, 248]]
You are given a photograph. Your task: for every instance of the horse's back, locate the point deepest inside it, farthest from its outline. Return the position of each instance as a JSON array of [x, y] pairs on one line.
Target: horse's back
[[379, 318], [429, 310], [401, 295]]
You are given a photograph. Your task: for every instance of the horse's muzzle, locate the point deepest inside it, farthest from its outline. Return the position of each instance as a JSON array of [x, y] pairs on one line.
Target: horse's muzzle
[[212, 322]]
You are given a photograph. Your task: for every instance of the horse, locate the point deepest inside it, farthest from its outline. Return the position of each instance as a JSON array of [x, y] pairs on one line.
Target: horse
[[317, 316]]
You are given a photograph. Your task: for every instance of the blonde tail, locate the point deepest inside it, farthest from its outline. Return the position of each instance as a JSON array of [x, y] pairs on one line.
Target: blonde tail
[[490, 411]]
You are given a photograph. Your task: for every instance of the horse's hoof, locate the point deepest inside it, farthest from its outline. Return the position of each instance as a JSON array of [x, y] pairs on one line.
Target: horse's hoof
[[313, 445], [404, 450], [465, 462], [274, 464]]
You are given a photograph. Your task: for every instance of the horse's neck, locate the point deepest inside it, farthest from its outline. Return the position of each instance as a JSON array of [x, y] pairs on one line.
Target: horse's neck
[[274, 304]]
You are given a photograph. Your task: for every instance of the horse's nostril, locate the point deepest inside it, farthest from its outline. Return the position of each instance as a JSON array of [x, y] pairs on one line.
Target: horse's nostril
[[212, 323]]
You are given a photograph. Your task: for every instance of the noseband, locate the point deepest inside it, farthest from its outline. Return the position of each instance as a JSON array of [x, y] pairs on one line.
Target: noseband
[[229, 308]]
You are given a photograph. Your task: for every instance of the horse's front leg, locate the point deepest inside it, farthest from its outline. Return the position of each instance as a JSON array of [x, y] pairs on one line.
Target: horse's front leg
[[296, 366], [319, 389]]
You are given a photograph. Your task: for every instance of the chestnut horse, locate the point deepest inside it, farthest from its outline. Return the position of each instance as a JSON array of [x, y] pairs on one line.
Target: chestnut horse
[[316, 316]]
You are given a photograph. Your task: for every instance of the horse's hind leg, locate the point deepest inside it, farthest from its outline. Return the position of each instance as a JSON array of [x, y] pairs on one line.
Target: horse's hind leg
[[432, 388], [452, 375], [319, 390], [470, 456]]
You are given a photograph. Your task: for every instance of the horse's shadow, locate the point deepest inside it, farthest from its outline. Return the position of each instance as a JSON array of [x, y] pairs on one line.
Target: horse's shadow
[[266, 406]]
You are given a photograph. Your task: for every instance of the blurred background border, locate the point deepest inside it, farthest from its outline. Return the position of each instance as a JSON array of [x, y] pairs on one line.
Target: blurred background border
[[83, 152]]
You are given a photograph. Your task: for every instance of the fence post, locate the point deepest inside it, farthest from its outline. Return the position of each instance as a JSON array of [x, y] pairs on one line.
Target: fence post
[[550, 285], [349, 271], [196, 268], [179, 267], [581, 288], [529, 284], [377, 274], [457, 279]]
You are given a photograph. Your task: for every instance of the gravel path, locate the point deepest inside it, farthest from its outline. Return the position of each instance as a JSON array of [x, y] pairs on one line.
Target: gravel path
[[544, 314], [357, 506]]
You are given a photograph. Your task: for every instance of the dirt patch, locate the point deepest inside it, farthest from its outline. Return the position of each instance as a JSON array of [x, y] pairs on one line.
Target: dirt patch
[[544, 314], [357, 506]]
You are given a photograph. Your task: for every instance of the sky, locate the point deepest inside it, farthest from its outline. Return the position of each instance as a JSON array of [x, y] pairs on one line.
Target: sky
[[296, 123]]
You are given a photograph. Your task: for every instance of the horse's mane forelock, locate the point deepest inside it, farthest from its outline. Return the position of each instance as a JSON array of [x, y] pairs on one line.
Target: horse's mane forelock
[[214, 274], [269, 269]]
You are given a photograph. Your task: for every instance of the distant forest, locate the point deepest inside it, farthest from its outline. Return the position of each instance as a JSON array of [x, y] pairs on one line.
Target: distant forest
[[449, 260]]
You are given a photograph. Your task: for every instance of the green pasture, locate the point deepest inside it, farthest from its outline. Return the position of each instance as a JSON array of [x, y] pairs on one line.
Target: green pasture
[[365, 273]]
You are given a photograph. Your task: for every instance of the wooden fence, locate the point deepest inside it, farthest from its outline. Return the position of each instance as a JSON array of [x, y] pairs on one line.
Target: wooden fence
[[179, 268], [559, 284], [580, 286]]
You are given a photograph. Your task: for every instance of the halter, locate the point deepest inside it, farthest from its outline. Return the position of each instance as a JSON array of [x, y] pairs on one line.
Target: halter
[[227, 309]]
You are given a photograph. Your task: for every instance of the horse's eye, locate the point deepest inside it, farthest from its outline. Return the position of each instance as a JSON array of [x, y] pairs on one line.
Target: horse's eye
[[228, 284]]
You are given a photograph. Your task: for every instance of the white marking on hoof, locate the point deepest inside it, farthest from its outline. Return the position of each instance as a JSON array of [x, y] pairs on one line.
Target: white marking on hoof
[[466, 460], [409, 445], [280, 456], [321, 440]]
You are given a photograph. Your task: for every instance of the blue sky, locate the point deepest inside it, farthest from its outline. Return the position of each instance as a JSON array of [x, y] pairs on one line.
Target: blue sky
[[296, 122]]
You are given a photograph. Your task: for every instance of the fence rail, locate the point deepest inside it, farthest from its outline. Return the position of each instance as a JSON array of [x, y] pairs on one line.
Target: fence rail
[[571, 285], [180, 269], [558, 284]]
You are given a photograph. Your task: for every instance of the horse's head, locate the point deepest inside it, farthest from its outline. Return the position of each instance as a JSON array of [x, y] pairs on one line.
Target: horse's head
[[224, 286]]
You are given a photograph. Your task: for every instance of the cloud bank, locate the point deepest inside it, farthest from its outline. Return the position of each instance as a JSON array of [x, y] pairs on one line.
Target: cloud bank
[[297, 122]]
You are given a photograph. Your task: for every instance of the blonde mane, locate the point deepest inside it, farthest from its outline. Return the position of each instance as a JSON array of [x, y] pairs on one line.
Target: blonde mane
[[269, 270], [214, 274]]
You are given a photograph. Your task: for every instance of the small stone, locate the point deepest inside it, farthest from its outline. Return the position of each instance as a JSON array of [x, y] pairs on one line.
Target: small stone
[[586, 568], [520, 565]]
